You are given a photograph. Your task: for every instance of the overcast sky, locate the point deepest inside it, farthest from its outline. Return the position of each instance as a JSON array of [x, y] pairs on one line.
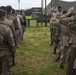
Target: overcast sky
[[25, 4]]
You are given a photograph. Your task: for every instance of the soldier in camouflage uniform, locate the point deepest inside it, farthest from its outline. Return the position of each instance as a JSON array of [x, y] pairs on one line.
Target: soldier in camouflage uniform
[[13, 20], [64, 37], [14, 14], [56, 30], [7, 46], [52, 28], [9, 22], [71, 24]]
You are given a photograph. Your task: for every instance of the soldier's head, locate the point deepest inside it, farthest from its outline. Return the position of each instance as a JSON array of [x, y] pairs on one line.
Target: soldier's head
[[3, 7], [59, 8], [2, 14], [9, 9], [14, 12]]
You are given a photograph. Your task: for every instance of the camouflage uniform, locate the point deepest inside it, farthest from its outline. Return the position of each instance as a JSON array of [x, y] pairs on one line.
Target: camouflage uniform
[[72, 42], [9, 20], [56, 38], [56, 33], [64, 44], [52, 32], [7, 46]]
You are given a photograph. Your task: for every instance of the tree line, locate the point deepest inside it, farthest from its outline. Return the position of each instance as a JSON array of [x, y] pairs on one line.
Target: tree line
[[28, 12]]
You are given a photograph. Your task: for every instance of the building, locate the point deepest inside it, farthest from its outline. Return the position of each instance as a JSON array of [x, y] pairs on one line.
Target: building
[[65, 5]]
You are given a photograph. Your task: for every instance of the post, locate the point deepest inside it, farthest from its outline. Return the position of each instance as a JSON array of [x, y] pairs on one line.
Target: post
[[19, 4], [42, 3], [51, 4], [45, 13], [45, 7], [42, 6]]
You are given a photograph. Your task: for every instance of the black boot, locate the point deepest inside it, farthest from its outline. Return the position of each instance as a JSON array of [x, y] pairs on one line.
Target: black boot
[[54, 52], [61, 67]]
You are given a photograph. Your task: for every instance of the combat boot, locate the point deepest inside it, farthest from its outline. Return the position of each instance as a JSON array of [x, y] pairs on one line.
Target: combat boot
[[54, 52], [61, 67]]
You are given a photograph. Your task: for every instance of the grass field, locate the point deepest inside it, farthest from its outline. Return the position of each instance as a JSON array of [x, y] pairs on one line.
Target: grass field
[[35, 57]]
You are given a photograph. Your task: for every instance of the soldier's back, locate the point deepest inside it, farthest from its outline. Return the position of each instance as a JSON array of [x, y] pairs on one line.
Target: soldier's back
[[4, 29], [8, 22]]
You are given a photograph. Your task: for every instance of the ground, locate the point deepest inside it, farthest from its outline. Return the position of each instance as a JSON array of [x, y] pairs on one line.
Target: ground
[[35, 56]]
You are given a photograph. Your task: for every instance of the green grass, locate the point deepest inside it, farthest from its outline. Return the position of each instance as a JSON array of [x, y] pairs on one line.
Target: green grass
[[28, 17], [35, 57]]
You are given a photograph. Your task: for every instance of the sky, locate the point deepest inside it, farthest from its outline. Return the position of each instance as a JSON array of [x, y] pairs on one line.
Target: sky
[[24, 4]]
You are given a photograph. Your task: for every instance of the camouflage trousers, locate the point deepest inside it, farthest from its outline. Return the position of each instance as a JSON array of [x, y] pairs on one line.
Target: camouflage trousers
[[56, 43], [19, 35], [51, 39], [23, 30], [70, 70], [64, 50], [5, 65]]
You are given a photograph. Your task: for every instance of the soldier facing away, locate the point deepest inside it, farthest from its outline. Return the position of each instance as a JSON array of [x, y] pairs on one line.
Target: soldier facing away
[[7, 46]]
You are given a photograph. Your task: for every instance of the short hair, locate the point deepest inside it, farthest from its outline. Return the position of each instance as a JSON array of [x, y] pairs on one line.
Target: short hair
[[13, 11], [8, 8], [2, 13], [59, 7], [3, 7]]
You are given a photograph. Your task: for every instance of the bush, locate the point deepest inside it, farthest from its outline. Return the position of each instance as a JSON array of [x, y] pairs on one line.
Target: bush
[[28, 12]]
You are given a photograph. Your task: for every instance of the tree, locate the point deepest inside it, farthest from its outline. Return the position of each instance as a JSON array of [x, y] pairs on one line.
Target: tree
[[28, 12]]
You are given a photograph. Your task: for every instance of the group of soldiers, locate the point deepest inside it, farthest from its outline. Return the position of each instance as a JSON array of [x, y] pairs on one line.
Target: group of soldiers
[[63, 38], [12, 27]]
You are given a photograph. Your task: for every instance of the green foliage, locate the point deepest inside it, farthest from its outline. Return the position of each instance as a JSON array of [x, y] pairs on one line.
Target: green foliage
[[28, 12]]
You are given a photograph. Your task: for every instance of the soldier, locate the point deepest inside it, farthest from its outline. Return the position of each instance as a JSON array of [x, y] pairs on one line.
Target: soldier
[[14, 15], [19, 32], [7, 46], [71, 24], [23, 23], [64, 39], [66, 13], [59, 53], [14, 18], [11, 23], [64, 45], [52, 29], [56, 31]]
